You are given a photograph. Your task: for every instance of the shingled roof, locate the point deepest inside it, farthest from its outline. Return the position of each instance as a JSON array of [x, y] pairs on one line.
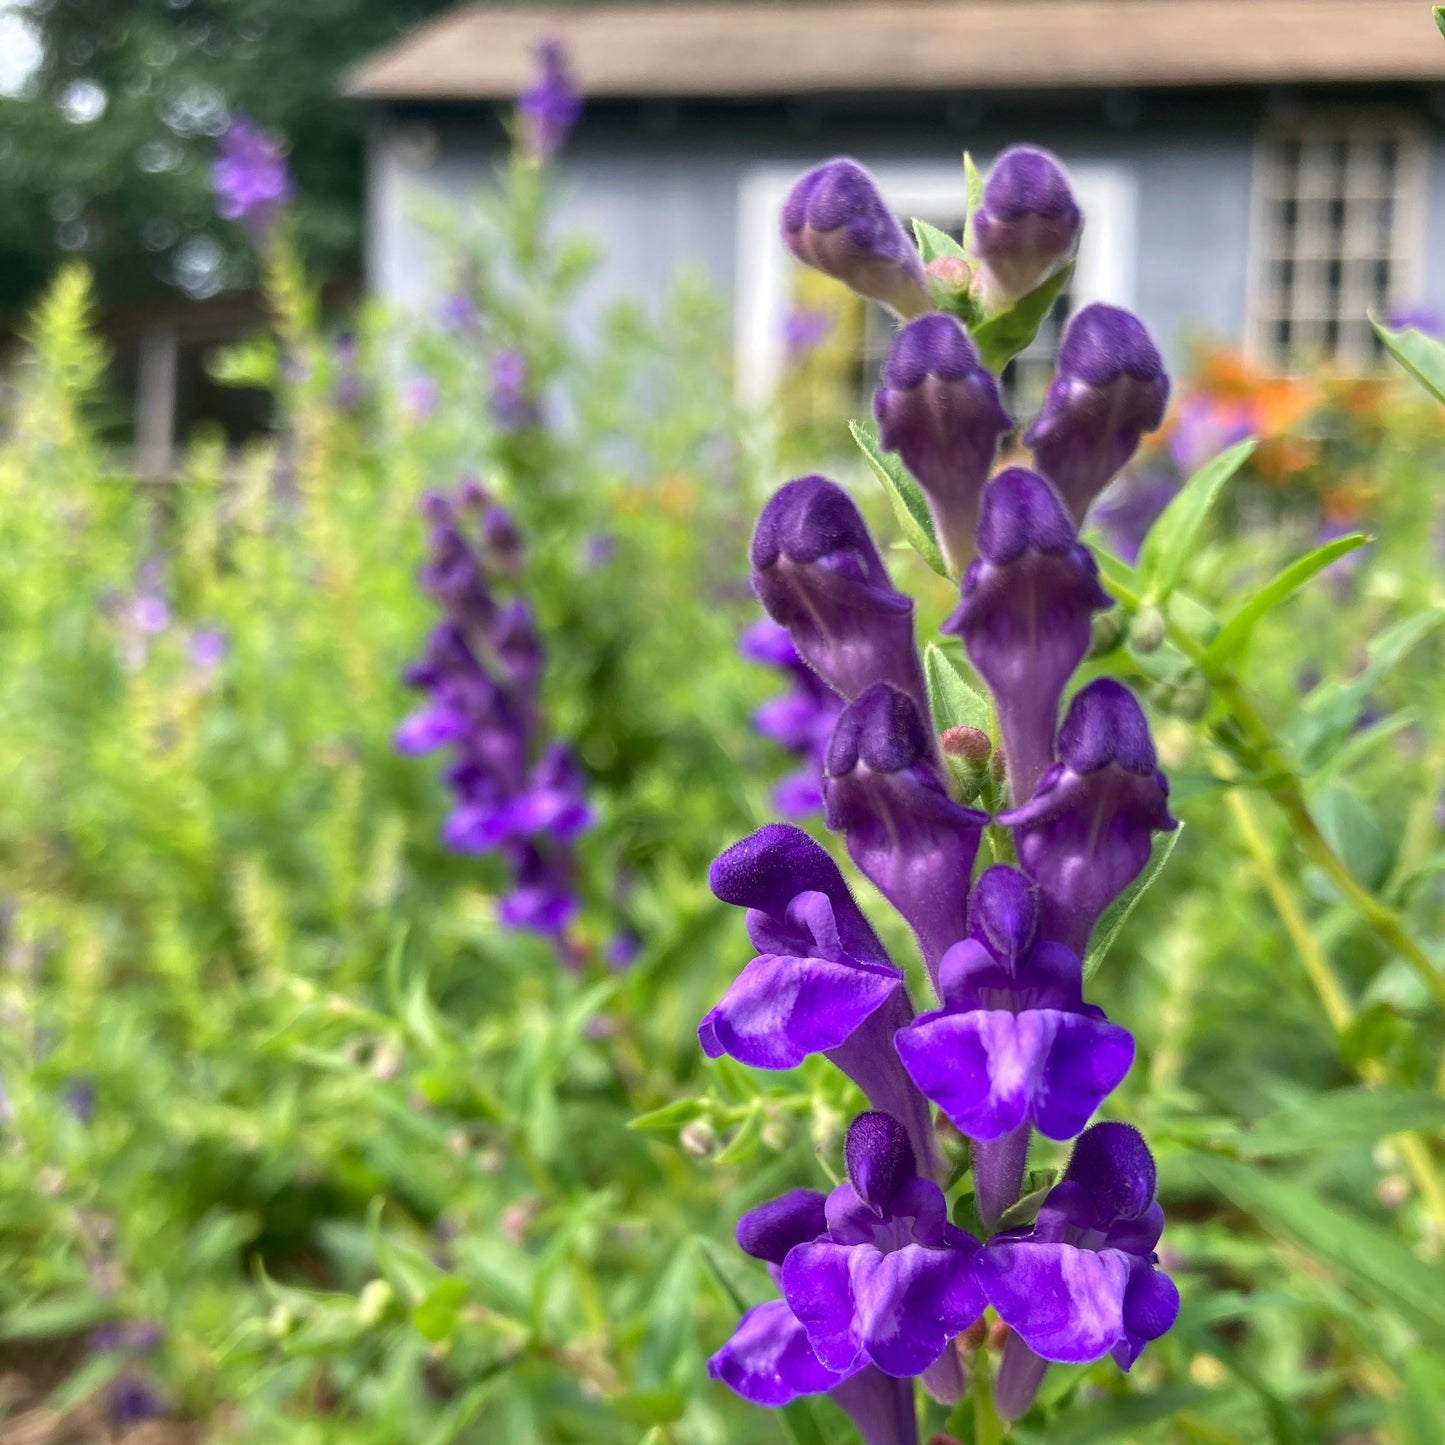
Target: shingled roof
[[799, 47]]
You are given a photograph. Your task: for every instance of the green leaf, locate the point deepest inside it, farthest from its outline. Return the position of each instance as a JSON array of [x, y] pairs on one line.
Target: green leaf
[[1001, 337], [1361, 744], [1354, 832], [1364, 1256], [952, 701], [670, 1117], [1339, 1119], [1423, 1408], [746, 1142], [1117, 914], [1422, 356], [933, 243], [1235, 634], [1171, 540], [973, 179], [910, 506], [1439, 12]]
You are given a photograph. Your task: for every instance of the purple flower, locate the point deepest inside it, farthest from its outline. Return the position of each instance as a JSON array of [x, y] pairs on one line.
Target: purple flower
[[835, 221], [821, 983], [892, 1282], [817, 572], [1083, 1282], [1086, 833], [1014, 1044], [801, 721], [909, 838], [1416, 318], [420, 397], [458, 314], [131, 1399], [1203, 427], [1126, 512], [79, 1098], [513, 408], [1027, 227], [939, 409], [1109, 388], [804, 330], [550, 106], [207, 648], [1025, 615], [250, 176]]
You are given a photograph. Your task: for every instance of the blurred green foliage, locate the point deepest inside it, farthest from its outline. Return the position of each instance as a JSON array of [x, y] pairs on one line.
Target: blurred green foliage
[[385, 1172]]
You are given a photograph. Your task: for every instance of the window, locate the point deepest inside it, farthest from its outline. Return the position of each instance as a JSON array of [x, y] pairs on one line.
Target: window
[[770, 283], [1338, 217]]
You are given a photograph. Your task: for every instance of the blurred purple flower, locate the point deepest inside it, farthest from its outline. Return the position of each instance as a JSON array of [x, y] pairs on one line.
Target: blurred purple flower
[[805, 328], [1126, 512], [551, 105], [349, 389], [132, 1400], [1204, 427], [250, 177], [458, 314], [79, 1098], [420, 397], [207, 647], [512, 407], [1417, 318]]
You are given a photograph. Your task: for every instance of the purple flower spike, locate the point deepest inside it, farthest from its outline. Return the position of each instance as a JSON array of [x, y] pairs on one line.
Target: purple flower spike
[[835, 221], [550, 106], [892, 1282], [910, 839], [1015, 1044], [1027, 227], [1082, 1283], [939, 409], [1085, 835], [822, 982], [1025, 615], [250, 177], [817, 572], [1109, 388]]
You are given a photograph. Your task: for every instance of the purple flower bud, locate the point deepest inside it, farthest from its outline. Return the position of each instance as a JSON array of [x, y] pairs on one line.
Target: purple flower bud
[[910, 839], [771, 1230], [817, 572], [939, 409], [1109, 388], [1084, 1282], [550, 106], [892, 1282], [1025, 615], [1027, 227], [1085, 835], [835, 221]]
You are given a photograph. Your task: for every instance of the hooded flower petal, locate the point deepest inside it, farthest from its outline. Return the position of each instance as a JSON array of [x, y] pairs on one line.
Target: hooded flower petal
[[835, 221], [906, 834], [817, 572], [1109, 388], [911, 1302], [1025, 615], [939, 409], [819, 1290], [769, 1361], [1028, 225], [1086, 833], [1151, 1305]]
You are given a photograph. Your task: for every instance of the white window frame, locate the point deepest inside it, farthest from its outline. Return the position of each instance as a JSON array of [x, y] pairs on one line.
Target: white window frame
[[1107, 193], [1408, 226]]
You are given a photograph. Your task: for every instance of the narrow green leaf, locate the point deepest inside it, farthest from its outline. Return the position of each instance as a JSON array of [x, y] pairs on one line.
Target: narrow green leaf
[[1362, 743], [1422, 356], [952, 701], [933, 243], [670, 1117], [1364, 1256], [745, 1143], [909, 504], [973, 179], [1235, 634], [1339, 1119], [1001, 337], [1117, 914], [1171, 539], [1423, 1408]]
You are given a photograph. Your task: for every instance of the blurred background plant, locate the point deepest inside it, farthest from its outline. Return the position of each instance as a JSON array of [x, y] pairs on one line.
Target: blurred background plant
[[297, 1143]]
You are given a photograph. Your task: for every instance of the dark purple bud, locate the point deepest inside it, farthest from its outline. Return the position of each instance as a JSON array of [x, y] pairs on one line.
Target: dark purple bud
[[1025, 615], [817, 572], [1113, 1165], [939, 409], [771, 1230], [1086, 833], [835, 221], [879, 1158], [1109, 388], [1002, 914], [1027, 227], [910, 839], [1020, 1374], [131, 1399]]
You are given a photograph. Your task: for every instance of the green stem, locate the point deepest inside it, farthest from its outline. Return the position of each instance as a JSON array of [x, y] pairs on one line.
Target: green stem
[[988, 1429]]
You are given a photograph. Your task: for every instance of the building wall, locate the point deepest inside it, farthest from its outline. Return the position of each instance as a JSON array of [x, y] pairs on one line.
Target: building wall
[[659, 188]]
